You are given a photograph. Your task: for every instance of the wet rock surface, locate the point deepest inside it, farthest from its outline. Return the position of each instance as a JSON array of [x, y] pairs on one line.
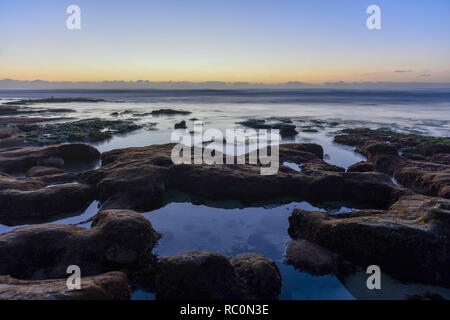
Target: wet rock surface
[[416, 162], [52, 100], [311, 258], [180, 125], [47, 190], [287, 130], [118, 239], [410, 240], [39, 131], [107, 286], [211, 276], [40, 171], [88, 130], [169, 112], [198, 276], [260, 274], [52, 156], [137, 178], [361, 166], [35, 202]]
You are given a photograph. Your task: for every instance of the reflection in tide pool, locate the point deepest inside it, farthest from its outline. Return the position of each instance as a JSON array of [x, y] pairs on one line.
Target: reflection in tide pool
[[187, 227], [81, 219]]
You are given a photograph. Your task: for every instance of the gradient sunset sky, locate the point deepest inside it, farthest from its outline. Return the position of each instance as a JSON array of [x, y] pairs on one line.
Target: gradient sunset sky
[[246, 40]]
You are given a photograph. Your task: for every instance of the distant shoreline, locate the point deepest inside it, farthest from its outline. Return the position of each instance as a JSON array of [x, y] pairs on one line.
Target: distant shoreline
[[11, 84]]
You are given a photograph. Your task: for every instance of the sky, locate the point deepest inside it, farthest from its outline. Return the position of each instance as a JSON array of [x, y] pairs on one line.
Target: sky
[[267, 41]]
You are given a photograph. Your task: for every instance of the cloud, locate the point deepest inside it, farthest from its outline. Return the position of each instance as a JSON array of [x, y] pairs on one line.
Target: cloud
[[11, 84], [402, 71]]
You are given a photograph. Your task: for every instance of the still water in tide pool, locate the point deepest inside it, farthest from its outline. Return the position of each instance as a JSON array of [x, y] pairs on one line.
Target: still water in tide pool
[[228, 228]]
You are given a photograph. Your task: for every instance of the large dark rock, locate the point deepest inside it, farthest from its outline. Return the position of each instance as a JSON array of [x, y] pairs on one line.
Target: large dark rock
[[107, 286], [311, 258], [423, 166], [198, 276], [132, 177], [211, 276], [381, 148], [160, 112], [117, 239], [320, 165], [137, 178], [300, 152], [410, 240], [40, 171], [260, 274], [40, 203], [361, 166], [371, 187], [423, 177], [52, 156], [443, 158], [180, 125], [287, 130], [430, 149]]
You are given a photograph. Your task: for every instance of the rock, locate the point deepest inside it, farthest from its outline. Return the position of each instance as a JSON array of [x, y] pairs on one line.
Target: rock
[[198, 276], [132, 177], [300, 152], [443, 158], [52, 100], [257, 124], [181, 125], [23, 123], [361, 166], [57, 155], [8, 132], [287, 130], [311, 258], [39, 171], [404, 240], [423, 177], [320, 165], [371, 187], [85, 130], [137, 178], [361, 137], [260, 274], [444, 192], [309, 129], [430, 149], [51, 162], [117, 239], [428, 174], [281, 124], [107, 286], [414, 156], [381, 148], [22, 206], [160, 112]]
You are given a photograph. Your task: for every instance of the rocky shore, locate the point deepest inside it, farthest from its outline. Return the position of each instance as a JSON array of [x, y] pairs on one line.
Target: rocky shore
[[405, 231], [34, 260], [411, 238]]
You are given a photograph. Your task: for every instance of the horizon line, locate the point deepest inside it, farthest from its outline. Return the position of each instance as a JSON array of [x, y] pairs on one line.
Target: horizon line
[[13, 84]]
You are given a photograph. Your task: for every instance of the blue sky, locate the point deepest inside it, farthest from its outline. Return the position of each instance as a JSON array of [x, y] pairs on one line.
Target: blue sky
[[197, 40]]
